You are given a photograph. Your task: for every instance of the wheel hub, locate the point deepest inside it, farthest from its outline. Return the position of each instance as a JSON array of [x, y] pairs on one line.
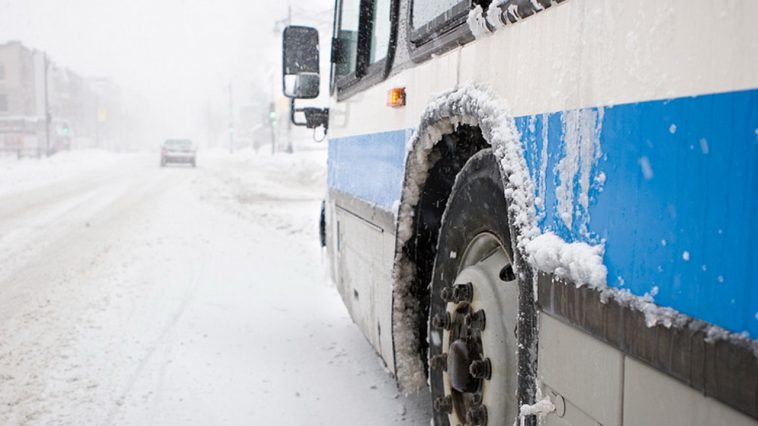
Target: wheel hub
[[478, 342]]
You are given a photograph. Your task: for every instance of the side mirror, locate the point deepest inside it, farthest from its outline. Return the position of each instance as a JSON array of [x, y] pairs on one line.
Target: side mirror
[[300, 65]]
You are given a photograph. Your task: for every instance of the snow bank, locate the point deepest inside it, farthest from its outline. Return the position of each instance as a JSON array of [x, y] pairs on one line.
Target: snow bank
[[282, 191], [22, 174]]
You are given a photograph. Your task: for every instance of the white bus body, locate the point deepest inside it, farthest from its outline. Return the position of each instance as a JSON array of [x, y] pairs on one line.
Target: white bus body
[[637, 124]]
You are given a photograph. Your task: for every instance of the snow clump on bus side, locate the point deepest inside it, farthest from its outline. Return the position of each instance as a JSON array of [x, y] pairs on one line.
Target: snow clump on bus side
[[477, 22], [580, 263], [482, 23]]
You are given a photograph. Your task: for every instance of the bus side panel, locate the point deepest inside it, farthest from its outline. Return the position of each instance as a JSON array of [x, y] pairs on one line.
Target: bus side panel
[[364, 179], [590, 382]]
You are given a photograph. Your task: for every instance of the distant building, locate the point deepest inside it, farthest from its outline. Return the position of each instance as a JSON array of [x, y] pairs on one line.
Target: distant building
[[22, 117], [31, 85]]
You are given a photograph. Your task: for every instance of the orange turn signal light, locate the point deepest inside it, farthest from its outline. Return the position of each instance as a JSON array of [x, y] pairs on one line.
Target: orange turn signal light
[[396, 97]]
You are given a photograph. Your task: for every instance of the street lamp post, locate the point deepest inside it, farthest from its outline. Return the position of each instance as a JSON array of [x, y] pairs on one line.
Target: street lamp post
[[48, 114], [231, 119]]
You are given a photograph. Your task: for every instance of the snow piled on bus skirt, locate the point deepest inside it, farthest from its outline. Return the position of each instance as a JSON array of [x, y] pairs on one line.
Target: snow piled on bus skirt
[[577, 262], [475, 105]]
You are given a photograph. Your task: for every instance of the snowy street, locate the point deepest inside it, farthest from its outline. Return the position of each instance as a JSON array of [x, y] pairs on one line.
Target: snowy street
[[133, 294], [378, 213]]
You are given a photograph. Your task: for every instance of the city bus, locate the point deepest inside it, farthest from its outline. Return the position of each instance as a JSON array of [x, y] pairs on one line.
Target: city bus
[[545, 211]]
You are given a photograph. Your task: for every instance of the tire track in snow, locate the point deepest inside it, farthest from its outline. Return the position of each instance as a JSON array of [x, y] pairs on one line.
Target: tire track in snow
[[159, 341], [40, 341]]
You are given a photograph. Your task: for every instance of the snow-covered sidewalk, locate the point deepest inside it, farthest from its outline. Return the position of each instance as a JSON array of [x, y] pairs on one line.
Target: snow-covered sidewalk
[[182, 296], [18, 175]]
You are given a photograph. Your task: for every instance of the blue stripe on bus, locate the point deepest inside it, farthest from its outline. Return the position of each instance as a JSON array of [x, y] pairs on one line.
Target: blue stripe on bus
[[678, 210], [369, 167]]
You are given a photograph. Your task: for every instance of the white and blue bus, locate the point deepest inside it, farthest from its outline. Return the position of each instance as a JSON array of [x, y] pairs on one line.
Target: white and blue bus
[[546, 211]]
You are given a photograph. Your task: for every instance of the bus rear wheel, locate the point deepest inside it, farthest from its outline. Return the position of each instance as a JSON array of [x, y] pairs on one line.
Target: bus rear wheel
[[474, 301]]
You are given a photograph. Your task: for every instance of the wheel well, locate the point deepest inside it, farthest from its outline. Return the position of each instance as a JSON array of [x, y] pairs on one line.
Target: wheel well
[[447, 157]]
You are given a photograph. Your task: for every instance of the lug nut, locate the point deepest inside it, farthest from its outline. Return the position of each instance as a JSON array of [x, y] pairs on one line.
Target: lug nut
[[442, 321], [477, 415], [446, 294], [439, 362], [507, 274], [481, 369], [475, 320], [443, 404], [463, 293]]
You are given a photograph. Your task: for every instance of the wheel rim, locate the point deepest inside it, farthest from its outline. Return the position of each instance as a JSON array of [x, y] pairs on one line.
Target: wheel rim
[[479, 362]]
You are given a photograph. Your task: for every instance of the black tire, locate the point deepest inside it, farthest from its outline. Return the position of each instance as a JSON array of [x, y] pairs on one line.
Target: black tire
[[476, 205]]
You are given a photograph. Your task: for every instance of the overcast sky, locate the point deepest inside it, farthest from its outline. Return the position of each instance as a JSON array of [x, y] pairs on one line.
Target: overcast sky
[[176, 52]]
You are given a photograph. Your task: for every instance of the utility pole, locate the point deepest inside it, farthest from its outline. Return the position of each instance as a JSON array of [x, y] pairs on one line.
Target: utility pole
[[272, 124], [48, 115], [97, 121], [209, 123], [231, 119], [289, 122], [278, 25]]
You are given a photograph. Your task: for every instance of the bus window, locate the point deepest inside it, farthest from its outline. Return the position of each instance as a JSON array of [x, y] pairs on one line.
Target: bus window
[[348, 36], [380, 31], [425, 11]]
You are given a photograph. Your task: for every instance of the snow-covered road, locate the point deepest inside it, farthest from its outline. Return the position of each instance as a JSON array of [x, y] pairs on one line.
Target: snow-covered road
[[133, 294]]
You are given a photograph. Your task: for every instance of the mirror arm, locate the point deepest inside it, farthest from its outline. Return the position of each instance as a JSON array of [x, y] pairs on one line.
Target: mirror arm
[[293, 110], [314, 117]]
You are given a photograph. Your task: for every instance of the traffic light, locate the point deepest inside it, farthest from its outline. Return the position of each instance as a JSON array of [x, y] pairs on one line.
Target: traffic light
[[272, 117]]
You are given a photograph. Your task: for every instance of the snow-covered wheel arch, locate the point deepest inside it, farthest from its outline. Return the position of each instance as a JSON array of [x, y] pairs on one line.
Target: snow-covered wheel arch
[[475, 106]]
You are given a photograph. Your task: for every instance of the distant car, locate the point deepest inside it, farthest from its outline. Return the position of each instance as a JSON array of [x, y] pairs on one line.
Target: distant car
[[178, 151]]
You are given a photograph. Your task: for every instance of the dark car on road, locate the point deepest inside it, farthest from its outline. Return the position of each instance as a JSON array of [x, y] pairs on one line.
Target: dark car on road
[[178, 151]]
